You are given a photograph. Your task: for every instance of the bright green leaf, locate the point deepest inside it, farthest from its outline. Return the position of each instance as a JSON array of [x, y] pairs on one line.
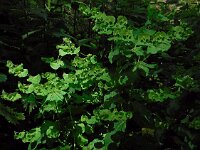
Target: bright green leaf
[[11, 96], [34, 79]]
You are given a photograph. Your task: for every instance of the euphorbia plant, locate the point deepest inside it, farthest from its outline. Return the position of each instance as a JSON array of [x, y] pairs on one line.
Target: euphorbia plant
[[62, 101], [83, 104]]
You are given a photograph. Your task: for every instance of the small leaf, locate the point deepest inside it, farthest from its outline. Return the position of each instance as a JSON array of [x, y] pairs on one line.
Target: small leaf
[[47, 59], [82, 140], [149, 32], [110, 95], [138, 51], [77, 50], [106, 77], [34, 79], [160, 95], [9, 64], [195, 123], [83, 41], [29, 137], [123, 80], [93, 60], [10, 114], [82, 127], [52, 132], [96, 144], [56, 95], [11, 96], [152, 49], [24, 73], [56, 64], [17, 70], [144, 66], [3, 77], [62, 52], [91, 121], [118, 127], [113, 53]]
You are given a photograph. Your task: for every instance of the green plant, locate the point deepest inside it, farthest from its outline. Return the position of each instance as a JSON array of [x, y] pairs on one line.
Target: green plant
[[56, 96], [10, 114], [87, 99]]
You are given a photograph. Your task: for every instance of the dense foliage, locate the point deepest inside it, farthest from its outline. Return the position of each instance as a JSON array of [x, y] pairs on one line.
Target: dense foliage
[[117, 74]]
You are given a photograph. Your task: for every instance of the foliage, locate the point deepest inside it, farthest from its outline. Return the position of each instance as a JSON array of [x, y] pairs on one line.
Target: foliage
[[53, 94], [3, 77], [122, 73], [10, 114]]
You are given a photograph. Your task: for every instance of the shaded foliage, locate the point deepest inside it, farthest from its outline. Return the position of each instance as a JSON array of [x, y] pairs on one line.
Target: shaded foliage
[[117, 74]]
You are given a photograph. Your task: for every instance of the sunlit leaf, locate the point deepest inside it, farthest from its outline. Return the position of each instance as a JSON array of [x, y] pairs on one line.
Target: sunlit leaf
[[11, 96], [34, 79]]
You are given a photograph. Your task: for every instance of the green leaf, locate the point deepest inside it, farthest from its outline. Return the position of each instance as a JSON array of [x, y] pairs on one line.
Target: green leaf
[[10, 96], [70, 78], [62, 52], [106, 77], [110, 95], [55, 95], [93, 60], [144, 66], [10, 114], [113, 53], [90, 121], [56, 64], [29, 137], [93, 145], [77, 50], [24, 73], [122, 80], [138, 51], [9, 64], [17, 70], [149, 32], [158, 48], [162, 17], [49, 75], [3, 77], [82, 140], [152, 49], [195, 123], [186, 82], [30, 103], [50, 106], [83, 41], [162, 47], [122, 20], [52, 132], [82, 126], [160, 95], [68, 48], [118, 127], [34, 79], [47, 59]]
